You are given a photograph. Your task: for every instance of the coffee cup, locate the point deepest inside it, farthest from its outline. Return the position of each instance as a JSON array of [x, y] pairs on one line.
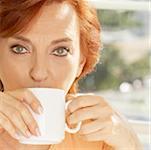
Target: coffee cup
[[51, 122]]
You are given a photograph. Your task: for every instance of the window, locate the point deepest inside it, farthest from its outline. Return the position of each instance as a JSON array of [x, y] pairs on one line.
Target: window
[[122, 76]]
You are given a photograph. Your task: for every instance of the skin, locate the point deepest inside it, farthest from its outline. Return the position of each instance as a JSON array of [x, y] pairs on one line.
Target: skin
[[36, 68]]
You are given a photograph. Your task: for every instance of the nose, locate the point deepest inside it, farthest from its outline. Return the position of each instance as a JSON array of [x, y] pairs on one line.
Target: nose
[[39, 70]]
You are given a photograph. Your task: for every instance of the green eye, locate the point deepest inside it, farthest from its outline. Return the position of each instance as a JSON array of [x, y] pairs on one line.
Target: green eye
[[18, 49], [61, 51]]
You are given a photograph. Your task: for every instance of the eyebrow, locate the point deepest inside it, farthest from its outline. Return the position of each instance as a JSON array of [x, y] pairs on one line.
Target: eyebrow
[[65, 39]]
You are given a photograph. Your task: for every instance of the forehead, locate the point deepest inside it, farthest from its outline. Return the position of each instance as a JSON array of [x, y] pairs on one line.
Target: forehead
[[56, 18]]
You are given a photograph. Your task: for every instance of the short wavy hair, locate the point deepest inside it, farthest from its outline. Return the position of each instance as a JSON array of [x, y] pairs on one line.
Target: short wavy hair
[[16, 15]]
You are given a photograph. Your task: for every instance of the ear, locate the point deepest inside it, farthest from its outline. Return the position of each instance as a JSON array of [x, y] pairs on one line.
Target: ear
[[81, 65]]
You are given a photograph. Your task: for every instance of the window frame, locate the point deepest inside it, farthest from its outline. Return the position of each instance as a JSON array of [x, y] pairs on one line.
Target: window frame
[[121, 5]]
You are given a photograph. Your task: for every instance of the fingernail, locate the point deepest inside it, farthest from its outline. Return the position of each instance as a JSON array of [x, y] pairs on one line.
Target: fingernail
[[28, 133], [38, 132], [40, 110]]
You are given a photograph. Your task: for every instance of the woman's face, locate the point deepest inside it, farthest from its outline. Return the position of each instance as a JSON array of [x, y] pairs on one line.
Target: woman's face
[[45, 55]]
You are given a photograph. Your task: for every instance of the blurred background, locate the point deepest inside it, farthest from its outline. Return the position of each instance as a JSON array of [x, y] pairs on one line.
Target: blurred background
[[123, 73]]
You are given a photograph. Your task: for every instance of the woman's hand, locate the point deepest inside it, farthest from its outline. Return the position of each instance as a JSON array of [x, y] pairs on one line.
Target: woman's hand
[[14, 114], [105, 124]]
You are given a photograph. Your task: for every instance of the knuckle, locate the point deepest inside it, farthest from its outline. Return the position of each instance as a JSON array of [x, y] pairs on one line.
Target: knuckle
[[19, 105], [33, 124], [14, 114]]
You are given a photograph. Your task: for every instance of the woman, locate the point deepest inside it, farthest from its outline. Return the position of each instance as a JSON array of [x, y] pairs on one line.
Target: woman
[[54, 44]]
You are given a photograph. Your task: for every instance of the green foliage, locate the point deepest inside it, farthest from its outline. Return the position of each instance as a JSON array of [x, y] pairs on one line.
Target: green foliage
[[112, 71], [115, 20], [137, 69]]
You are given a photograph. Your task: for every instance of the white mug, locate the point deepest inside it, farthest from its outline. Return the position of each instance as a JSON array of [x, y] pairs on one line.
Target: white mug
[[51, 122]]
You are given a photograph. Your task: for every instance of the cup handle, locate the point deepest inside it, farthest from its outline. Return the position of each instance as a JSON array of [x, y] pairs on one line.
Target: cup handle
[[77, 128]]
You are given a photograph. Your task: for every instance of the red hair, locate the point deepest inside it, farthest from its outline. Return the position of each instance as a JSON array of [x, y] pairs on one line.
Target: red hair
[[15, 15]]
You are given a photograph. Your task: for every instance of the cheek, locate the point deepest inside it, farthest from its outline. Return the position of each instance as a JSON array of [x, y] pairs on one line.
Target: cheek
[[66, 73], [11, 73]]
